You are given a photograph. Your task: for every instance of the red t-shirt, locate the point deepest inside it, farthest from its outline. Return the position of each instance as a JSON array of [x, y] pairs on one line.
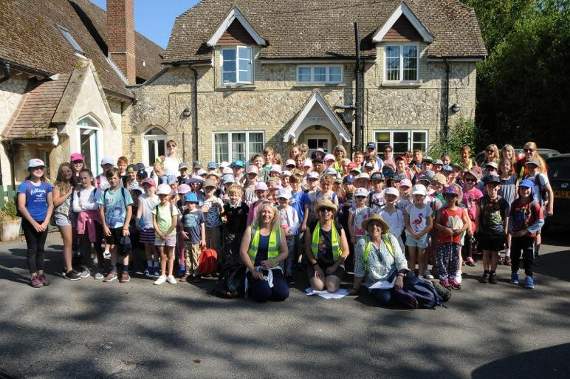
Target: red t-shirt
[[451, 218]]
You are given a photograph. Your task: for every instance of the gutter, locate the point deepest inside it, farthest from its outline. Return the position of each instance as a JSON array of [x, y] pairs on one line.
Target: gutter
[[194, 114]]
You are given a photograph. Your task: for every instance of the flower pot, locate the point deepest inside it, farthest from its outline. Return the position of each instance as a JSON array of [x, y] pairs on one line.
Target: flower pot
[[10, 229]]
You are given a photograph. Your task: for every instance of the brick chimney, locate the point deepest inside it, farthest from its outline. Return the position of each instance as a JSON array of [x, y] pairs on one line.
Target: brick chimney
[[121, 36]]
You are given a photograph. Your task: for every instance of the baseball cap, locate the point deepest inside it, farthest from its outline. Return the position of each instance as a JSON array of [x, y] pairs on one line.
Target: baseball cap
[[307, 163], [196, 165], [329, 157], [405, 183], [371, 146], [491, 179], [399, 177], [438, 162], [149, 181], [330, 171], [227, 170], [349, 179], [184, 189], [202, 172], [228, 178], [163, 189], [290, 162], [107, 160], [210, 183], [419, 189], [195, 179], [313, 175], [286, 173], [533, 161], [361, 192], [224, 164], [33, 163], [261, 186], [451, 190], [447, 168], [284, 193], [526, 183], [191, 197], [427, 159], [182, 165], [439, 179], [76, 157], [391, 191], [252, 169], [494, 165], [212, 166], [238, 164], [275, 168], [376, 176], [362, 176]]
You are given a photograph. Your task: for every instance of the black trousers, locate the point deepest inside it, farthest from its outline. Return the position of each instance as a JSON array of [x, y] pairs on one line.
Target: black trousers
[[35, 241], [522, 246]]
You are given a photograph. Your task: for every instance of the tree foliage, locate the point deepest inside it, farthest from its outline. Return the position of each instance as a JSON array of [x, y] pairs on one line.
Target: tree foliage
[[462, 133], [523, 88]]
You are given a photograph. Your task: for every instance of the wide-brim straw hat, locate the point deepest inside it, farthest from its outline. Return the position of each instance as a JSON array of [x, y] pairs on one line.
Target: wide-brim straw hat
[[376, 218], [326, 203]]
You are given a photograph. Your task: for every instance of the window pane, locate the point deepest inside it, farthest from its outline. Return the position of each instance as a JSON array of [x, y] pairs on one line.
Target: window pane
[[419, 141], [229, 66], [161, 147], [320, 74], [229, 55], [244, 53], [400, 143], [410, 55], [335, 74], [382, 140], [255, 143], [393, 68], [229, 77], [238, 146], [304, 74], [221, 147], [244, 65]]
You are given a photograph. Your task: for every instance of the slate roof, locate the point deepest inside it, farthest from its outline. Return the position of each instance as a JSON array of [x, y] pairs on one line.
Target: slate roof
[[33, 117], [29, 36], [324, 28]]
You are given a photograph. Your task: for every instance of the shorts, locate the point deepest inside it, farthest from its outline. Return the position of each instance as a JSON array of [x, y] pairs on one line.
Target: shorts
[[115, 239], [491, 242], [169, 241], [146, 236], [61, 219], [420, 243]]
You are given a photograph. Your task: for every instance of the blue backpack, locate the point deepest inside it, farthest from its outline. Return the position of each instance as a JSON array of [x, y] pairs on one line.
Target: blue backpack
[[423, 290]]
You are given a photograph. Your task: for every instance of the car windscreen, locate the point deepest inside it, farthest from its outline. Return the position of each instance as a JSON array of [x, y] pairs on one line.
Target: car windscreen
[[559, 169]]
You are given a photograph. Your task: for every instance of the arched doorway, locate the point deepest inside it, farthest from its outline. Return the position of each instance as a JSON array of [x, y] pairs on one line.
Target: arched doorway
[[90, 143], [154, 145], [318, 137]]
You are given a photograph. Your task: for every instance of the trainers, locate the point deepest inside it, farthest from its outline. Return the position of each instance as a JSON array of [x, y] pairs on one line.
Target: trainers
[[428, 275], [85, 273], [484, 278], [493, 278], [99, 276], [470, 262], [445, 283], [181, 271], [72, 275], [147, 273], [36, 282], [110, 277], [125, 277], [515, 278], [161, 280], [529, 282], [453, 284], [44, 280], [171, 279], [458, 277], [156, 272]]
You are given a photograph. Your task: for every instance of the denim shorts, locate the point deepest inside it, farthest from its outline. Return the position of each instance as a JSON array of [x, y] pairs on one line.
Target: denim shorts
[[421, 242], [169, 241], [61, 219]]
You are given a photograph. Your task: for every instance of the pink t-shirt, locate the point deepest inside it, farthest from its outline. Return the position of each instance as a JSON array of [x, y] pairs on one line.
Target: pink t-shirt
[[471, 199]]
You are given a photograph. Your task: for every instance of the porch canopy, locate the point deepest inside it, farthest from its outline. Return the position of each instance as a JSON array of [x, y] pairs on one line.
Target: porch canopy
[[317, 112]]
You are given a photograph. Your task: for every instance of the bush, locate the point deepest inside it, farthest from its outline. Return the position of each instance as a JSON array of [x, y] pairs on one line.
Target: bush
[[462, 133], [8, 211]]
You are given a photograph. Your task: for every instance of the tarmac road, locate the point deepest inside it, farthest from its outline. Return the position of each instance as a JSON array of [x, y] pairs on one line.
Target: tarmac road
[[93, 329]]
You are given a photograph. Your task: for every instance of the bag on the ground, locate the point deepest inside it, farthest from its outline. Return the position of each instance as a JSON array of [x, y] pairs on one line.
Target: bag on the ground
[[208, 262], [231, 283], [445, 293], [423, 291], [405, 298]]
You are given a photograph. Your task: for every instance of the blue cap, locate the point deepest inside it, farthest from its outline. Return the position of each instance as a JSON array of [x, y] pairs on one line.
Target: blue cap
[[349, 179], [527, 183], [376, 176], [191, 197], [447, 168], [451, 190], [238, 163], [212, 165]]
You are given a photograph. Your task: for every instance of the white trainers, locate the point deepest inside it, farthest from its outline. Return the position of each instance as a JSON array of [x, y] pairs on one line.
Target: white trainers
[[171, 279], [161, 279], [458, 277], [428, 275]]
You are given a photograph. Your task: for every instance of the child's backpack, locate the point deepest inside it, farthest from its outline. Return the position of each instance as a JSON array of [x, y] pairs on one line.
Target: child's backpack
[[423, 291], [208, 261]]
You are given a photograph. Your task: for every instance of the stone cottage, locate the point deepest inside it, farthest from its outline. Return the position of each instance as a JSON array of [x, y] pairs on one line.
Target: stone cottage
[[240, 74], [65, 71]]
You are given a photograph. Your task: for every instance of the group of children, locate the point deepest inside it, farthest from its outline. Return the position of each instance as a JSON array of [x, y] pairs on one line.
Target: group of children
[[439, 211]]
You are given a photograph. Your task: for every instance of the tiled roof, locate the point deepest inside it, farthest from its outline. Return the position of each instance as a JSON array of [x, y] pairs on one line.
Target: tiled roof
[[324, 28], [33, 117], [29, 36]]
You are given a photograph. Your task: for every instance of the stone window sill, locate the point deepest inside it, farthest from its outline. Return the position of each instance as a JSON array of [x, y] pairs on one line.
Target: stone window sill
[[319, 85], [397, 84], [236, 87]]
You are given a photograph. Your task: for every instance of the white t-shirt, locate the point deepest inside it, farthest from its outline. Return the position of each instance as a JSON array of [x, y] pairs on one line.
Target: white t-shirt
[[395, 221], [86, 200], [170, 165], [147, 204], [418, 217]]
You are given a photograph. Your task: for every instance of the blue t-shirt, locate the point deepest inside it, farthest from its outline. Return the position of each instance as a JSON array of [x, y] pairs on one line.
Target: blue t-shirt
[[36, 198], [115, 203], [300, 200], [262, 250], [192, 223]]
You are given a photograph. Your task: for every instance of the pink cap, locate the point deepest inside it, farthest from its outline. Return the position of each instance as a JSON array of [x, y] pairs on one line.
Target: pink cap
[[76, 157], [261, 186], [149, 181], [184, 189], [406, 183], [252, 169]]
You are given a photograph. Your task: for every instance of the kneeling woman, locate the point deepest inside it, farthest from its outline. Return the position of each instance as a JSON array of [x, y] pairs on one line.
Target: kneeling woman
[[263, 249], [326, 248], [379, 257]]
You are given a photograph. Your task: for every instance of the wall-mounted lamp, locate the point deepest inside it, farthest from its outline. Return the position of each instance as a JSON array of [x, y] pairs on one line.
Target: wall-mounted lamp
[[186, 113], [455, 108]]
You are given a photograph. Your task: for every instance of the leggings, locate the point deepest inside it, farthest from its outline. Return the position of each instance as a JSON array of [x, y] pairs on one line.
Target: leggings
[[447, 260], [36, 242], [522, 245]]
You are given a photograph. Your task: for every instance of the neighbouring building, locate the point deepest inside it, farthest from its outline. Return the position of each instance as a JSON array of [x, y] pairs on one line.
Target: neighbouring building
[[240, 74], [66, 69]]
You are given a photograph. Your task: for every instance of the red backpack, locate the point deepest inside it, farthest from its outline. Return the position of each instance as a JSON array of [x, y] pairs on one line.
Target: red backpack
[[208, 261]]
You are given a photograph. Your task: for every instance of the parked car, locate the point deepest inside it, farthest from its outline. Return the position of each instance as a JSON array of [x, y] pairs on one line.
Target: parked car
[[559, 177], [544, 153]]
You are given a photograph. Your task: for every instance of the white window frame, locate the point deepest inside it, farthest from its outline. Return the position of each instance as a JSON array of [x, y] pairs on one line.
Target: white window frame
[[401, 71], [152, 137], [98, 148], [230, 152], [410, 138], [327, 75], [251, 59]]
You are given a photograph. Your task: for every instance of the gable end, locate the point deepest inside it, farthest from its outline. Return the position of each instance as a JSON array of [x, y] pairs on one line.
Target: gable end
[[403, 31], [236, 34]]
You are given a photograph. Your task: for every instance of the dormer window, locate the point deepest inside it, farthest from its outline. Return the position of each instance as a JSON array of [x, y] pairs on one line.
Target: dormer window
[[401, 62], [236, 63]]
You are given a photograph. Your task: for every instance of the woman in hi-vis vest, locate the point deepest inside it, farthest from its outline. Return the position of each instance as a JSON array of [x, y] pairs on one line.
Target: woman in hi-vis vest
[[263, 250]]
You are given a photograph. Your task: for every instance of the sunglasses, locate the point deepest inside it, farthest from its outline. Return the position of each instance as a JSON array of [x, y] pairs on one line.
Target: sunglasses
[[325, 210], [170, 145], [528, 150]]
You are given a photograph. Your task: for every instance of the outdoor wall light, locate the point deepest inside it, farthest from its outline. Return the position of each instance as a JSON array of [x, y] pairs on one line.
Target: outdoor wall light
[[455, 108], [186, 113]]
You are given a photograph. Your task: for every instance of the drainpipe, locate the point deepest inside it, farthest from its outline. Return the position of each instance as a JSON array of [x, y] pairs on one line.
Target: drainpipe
[[5, 72], [446, 114], [194, 114], [359, 95]]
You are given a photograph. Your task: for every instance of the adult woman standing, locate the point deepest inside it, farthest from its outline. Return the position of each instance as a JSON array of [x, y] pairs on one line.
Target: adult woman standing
[[339, 154], [379, 258], [62, 192], [36, 206], [327, 249], [171, 161], [263, 249]]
